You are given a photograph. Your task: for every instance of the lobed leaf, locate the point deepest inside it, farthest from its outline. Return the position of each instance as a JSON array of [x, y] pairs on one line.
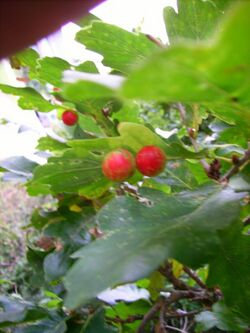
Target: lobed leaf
[[138, 238]]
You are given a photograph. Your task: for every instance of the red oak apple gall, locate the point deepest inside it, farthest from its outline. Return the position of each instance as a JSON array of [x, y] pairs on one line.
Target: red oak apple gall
[[69, 117], [151, 160], [118, 165]]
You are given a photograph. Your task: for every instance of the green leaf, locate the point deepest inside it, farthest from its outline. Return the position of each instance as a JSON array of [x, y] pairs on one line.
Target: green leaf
[[50, 144], [68, 226], [56, 265], [83, 90], [87, 20], [178, 176], [143, 235], [18, 311], [35, 259], [196, 19], [50, 70], [133, 137], [29, 99], [28, 58], [88, 125], [121, 50], [87, 67], [53, 325], [231, 271], [71, 174], [124, 310], [221, 317], [97, 324], [79, 169], [129, 112], [192, 73]]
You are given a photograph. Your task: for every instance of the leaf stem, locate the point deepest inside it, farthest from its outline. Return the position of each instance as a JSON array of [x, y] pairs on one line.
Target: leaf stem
[[182, 111], [155, 40], [237, 166]]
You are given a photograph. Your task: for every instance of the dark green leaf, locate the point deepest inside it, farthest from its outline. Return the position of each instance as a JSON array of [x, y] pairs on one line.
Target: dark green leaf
[[56, 265], [121, 49], [70, 227], [231, 271], [97, 324], [73, 174], [142, 236], [79, 169], [29, 99], [35, 260], [221, 317], [53, 325], [18, 311]]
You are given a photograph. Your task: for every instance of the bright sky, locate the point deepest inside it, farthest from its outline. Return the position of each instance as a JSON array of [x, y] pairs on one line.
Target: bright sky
[[130, 14], [127, 14]]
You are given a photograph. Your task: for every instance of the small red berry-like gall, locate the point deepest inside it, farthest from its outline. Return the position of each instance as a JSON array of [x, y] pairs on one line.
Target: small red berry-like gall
[[69, 117], [118, 165], [151, 160]]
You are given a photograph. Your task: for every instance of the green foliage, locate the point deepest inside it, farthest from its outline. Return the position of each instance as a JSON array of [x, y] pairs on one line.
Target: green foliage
[[142, 237], [51, 69], [191, 73], [120, 49], [181, 237], [29, 99], [195, 20]]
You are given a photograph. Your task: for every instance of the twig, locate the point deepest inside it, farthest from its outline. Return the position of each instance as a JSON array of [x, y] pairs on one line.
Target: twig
[[148, 316], [128, 320], [155, 40], [162, 318], [182, 111], [182, 314], [167, 271], [175, 296], [246, 222], [238, 164], [176, 329], [194, 276]]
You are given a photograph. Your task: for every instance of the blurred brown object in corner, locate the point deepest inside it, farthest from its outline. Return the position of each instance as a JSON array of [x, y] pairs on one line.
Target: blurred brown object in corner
[[24, 22]]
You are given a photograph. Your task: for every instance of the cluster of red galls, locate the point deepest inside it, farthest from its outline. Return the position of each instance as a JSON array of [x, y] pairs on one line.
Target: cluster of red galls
[[118, 165]]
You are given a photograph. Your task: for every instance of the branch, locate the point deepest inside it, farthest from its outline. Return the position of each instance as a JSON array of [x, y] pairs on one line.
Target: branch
[[182, 314], [238, 164], [246, 222], [128, 320], [167, 271], [176, 329], [148, 316], [194, 276], [162, 318], [175, 296]]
